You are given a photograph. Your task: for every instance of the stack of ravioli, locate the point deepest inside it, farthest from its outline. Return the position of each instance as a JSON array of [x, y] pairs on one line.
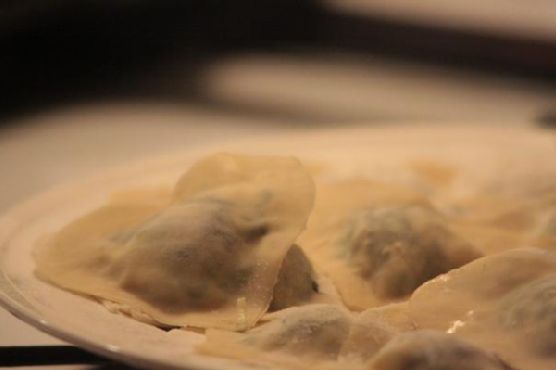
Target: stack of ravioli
[[280, 266]]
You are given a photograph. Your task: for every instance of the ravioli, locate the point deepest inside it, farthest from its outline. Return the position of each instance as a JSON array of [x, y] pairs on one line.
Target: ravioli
[[501, 302], [297, 337], [313, 331], [210, 257], [328, 337], [367, 335], [511, 213], [531, 310], [311, 336], [543, 233], [418, 239], [430, 350], [378, 243]]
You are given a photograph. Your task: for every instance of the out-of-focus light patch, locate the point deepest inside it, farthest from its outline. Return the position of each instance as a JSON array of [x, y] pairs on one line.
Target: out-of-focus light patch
[[530, 18], [444, 278], [339, 90], [113, 348], [457, 324]]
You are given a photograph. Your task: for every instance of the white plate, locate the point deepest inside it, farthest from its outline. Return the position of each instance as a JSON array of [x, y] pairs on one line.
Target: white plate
[[87, 324]]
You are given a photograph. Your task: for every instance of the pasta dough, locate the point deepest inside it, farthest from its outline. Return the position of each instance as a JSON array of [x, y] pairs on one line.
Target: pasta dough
[[306, 337], [511, 212], [500, 302], [367, 335], [399, 248], [309, 331], [429, 350], [378, 243], [226, 250], [531, 310], [208, 258], [298, 337]]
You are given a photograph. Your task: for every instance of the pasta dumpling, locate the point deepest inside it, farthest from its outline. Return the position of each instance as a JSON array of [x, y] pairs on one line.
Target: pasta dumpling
[[531, 309], [301, 337], [367, 335], [399, 248], [378, 243], [210, 257], [430, 350], [297, 337], [318, 330], [507, 295]]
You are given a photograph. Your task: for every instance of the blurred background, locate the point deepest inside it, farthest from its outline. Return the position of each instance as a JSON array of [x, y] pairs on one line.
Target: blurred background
[[88, 84], [296, 61]]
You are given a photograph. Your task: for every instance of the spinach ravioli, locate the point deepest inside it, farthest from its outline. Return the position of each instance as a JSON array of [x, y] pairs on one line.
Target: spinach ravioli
[[209, 257]]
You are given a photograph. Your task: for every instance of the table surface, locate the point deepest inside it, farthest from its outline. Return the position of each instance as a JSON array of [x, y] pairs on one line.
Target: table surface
[[268, 95]]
